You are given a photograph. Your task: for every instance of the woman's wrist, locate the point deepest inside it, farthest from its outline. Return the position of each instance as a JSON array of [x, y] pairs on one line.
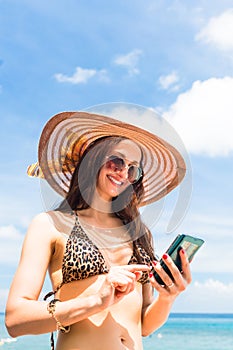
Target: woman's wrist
[[77, 309], [95, 302], [168, 299]]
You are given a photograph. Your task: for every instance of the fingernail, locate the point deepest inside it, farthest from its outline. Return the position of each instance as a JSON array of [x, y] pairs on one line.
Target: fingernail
[[182, 251], [150, 274], [165, 256], [154, 262]]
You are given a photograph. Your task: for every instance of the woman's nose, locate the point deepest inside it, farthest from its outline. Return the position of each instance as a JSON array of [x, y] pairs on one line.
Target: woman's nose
[[123, 172]]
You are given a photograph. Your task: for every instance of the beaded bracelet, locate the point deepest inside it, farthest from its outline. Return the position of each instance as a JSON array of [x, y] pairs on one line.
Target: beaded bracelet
[[51, 309]]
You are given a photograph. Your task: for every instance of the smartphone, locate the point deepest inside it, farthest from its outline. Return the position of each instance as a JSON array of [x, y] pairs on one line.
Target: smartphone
[[189, 243]]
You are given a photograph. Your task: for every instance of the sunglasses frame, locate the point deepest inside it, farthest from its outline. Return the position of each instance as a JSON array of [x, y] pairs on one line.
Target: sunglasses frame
[[124, 166]]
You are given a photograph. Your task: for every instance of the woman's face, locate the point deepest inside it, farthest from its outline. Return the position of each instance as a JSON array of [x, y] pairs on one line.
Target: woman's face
[[111, 182]]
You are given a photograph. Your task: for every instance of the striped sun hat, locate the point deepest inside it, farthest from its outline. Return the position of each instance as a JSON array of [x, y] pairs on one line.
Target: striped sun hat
[[66, 136]]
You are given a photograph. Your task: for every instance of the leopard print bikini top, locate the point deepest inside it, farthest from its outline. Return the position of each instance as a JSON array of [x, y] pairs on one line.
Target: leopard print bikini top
[[82, 259]]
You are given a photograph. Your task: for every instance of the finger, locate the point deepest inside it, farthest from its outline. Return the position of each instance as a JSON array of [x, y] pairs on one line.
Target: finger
[[120, 280], [126, 288], [180, 279], [171, 266], [160, 288], [185, 266], [123, 286], [138, 275], [167, 280], [120, 292], [136, 267], [135, 276]]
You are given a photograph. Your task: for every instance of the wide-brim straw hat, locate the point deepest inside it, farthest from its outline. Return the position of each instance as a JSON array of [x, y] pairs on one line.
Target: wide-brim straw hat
[[66, 136]]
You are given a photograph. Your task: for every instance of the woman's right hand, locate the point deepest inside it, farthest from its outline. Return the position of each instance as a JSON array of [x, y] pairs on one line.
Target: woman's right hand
[[120, 281]]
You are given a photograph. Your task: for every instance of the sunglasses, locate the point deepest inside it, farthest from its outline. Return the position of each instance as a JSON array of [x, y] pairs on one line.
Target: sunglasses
[[116, 163]]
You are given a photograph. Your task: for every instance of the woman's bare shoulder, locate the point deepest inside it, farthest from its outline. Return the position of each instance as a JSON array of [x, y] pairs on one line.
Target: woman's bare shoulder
[[47, 228], [54, 221], [43, 224], [43, 219]]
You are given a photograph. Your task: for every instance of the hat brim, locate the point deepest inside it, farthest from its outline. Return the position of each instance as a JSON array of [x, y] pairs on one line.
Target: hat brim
[[163, 166]]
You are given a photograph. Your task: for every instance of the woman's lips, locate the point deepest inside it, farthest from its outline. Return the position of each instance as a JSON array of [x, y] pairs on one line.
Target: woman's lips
[[116, 182]]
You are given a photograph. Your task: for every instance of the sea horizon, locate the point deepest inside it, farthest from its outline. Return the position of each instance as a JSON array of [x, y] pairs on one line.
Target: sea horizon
[[202, 331], [179, 314]]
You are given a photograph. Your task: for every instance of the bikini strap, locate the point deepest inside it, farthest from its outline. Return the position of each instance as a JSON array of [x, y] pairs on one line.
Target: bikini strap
[[48, 295], [53, 292], [76, 218]]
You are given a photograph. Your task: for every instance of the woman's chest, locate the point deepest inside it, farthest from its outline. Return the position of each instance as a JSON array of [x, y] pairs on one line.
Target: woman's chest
[[78, 257]]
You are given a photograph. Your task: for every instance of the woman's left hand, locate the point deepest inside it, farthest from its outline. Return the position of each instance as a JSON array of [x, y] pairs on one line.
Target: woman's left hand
[[180, 280]]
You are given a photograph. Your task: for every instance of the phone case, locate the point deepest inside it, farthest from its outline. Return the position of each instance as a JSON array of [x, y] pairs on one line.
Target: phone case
[[189, 243]]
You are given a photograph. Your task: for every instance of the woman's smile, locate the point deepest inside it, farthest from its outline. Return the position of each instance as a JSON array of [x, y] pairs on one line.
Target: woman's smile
[[115, 181]]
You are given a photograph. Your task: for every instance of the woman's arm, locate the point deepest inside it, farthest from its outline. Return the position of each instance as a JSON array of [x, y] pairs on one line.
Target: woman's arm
[[26, 315], [156, 311]]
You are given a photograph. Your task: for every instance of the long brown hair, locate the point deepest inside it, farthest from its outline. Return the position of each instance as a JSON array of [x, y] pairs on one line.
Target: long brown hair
[[125, 206]]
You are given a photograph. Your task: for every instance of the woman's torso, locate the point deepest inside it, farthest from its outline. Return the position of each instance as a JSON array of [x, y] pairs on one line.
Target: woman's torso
[[116, 328]]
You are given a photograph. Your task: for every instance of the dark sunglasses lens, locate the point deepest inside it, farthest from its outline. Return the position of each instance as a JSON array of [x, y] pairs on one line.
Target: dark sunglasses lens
[[115, 163], [134, 173]]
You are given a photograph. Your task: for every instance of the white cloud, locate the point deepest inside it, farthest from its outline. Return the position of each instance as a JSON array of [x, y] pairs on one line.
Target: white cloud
[[146, 118], [169, 81], [218, 286], [10, 246], [81, 76], [219, 31], [209, 296], [10, 233], [102, 75], [202, 116], [129, 61]]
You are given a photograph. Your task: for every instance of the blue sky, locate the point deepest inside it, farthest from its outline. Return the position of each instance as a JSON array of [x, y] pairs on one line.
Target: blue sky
[[172, 56]]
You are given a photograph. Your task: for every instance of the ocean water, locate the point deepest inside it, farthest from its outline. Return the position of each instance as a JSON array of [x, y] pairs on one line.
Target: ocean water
[[181, 332]]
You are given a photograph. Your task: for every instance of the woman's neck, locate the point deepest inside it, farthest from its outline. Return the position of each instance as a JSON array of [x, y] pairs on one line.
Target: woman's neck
[[100, 206]]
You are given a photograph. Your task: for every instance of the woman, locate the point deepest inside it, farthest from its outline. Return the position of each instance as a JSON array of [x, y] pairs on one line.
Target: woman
[[97, 250]]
